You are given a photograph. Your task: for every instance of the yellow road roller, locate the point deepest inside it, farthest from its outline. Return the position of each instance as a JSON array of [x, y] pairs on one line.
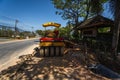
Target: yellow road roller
[[51, 44]]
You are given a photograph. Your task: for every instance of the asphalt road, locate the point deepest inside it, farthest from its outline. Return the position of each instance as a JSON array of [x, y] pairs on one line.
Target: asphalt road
[[13, 48]]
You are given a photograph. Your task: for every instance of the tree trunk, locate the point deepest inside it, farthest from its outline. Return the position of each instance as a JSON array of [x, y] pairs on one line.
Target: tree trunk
[[116, 30], [115, 40]]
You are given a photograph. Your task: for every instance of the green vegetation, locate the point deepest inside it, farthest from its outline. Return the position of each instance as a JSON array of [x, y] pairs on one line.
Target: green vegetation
[[8, 33], [73, 10], [40, 32], [77, 11], [104, 30], [63, 32]]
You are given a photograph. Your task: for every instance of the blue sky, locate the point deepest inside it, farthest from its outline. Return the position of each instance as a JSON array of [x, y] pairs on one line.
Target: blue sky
[[30, 12], [33, 12]]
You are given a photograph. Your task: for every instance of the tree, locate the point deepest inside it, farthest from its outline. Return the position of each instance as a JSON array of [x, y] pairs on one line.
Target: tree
[[115, 9], [64, 32], [71, 9], [96, 6], [76, 10], [40, 32], [10, 32]]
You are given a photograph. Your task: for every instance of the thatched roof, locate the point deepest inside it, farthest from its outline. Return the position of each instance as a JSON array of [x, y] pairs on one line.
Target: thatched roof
[[97, 21]]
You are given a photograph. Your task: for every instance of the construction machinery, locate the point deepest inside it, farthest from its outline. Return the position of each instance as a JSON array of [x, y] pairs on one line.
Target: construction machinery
[[51, 44]]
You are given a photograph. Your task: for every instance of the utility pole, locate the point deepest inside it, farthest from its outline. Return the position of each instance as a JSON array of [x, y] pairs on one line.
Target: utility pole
[[32, 29], [16, 21]]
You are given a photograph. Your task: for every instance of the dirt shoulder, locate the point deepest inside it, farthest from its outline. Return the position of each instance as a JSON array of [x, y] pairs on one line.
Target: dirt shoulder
[[68, 67]]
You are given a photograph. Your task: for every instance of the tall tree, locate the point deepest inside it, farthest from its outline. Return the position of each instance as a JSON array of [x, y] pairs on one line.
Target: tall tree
[[78, 11], [72, 9], [115, 9]]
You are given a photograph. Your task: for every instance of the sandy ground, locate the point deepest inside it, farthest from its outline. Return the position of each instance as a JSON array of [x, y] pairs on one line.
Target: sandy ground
[[68, 67]]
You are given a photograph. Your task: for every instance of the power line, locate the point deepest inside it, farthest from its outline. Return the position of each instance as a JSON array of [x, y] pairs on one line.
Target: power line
[[5, 21], [6, 17], [6, 24]]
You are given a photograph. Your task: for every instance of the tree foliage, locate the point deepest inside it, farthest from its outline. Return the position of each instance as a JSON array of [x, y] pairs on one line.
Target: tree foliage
[[104, 30], [40, 32], [70, 9], [64, 32], [75, 10], [96, 6], [6, 32]]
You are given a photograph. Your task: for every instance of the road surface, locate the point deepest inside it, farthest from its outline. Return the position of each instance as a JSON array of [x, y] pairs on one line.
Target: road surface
[[9, 50], [4, 39]]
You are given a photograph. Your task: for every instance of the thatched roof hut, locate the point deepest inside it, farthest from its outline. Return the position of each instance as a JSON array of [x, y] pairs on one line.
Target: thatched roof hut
[[97, 21], [90, 26]]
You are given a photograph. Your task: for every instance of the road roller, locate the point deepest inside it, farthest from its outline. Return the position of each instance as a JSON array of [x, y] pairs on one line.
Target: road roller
[[51, 44]]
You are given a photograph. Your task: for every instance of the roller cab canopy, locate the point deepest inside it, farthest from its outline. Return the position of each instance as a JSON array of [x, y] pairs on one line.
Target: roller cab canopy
[[51, 24]]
